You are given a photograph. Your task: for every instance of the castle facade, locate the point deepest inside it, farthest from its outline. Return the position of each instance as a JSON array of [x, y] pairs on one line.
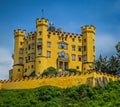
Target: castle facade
[[49, 46]]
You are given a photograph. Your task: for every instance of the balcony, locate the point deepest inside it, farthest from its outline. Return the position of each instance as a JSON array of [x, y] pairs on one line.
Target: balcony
[[63, 59]]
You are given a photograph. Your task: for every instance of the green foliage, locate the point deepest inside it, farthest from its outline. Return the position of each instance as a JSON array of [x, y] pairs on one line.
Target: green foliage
[[48, 96], [110, 65], [50, 70]]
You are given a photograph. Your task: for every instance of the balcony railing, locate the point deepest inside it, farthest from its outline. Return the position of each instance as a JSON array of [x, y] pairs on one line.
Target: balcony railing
[[63, 59]]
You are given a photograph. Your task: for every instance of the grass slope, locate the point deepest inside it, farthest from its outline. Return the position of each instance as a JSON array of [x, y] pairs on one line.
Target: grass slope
[[48, 96]]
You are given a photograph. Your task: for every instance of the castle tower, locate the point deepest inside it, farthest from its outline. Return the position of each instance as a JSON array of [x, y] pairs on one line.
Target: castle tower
[[41, 45], [18, 53], [88, 44]]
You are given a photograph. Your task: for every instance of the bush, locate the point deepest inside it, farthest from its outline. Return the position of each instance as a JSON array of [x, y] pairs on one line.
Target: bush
[[50, 70]]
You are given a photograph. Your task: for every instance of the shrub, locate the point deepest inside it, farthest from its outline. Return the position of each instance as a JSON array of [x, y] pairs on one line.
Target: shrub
[[50, 70]]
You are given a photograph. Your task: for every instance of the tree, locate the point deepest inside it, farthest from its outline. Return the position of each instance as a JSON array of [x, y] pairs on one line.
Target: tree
[[118, 57], [101, 64], [113, 65]]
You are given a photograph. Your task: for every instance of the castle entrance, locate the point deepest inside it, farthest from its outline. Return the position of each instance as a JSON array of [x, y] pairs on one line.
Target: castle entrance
[[62, 65]]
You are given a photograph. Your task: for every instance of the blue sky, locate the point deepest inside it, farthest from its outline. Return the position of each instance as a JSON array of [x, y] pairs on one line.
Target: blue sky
[[68, 14]]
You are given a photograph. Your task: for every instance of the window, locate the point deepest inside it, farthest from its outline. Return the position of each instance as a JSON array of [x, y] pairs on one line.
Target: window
[[48, 36], [33, 55], [33, 38], [26, 50], [62, 55], [77, 67], [79, 58], [48, 54], [32, 66], [40, 32], [39, 43], [62, 46], [73, 39], [21, 43], [79, 40], [84, 57], [21, 51], [21, 60], [25, 69], [73, 47], [84, 40], [28, 47], [94, 48], [39, 51], [26, 59], [73, 57], [84, 48], [48, 44], [33, 46], [19, 70], [29, 57], [59, 38], [79, 48]]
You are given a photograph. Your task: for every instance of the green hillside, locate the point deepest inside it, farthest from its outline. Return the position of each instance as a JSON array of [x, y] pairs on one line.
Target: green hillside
[[48, 96]]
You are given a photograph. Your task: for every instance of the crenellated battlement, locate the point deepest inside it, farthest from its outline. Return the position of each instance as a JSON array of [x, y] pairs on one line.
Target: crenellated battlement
[[42, 21], [87, 28], [19, 32], [60, 80], [64, 34]]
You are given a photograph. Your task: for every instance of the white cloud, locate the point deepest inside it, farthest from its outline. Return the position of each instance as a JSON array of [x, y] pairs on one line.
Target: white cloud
[[105, 45], [5, 63]]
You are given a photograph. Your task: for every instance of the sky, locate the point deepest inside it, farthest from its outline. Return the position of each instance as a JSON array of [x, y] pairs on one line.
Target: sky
[[70, 15]]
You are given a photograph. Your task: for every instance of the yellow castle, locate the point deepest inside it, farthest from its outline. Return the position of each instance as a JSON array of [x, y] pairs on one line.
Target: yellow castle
[[49, 46]]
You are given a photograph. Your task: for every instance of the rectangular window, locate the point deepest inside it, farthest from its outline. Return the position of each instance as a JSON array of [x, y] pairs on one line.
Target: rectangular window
[[79, 40], [33, 38], [93, 48], [84, 57], [48, 54], [73, 47], [26, 50], [84, 40], [77, 67], [39, 43], [21, 43], [79, 48], [40, 32], [29, 57], [62, 46], [33, 55], [84, 48], [48, 44], [73, 39], [33, 46], [21, 60], [21, 51], [79, 58], [39, 51], [28, 47], [32, 66], [48, 36], [73, 57]]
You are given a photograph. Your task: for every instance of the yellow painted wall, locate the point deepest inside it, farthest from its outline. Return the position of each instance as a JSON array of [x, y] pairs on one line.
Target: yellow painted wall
[[62, 81]]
